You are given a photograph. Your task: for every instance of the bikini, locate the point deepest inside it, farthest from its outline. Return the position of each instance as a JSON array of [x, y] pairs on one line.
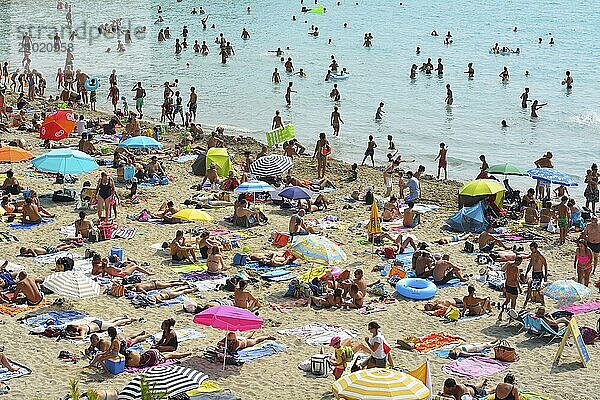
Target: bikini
[[583, 260]]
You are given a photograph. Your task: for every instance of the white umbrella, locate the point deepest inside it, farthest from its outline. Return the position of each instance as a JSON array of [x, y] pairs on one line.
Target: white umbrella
[[170, 379], [72, 284]]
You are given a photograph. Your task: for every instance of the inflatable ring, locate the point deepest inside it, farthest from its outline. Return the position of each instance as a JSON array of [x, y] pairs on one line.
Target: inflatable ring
[[91, 84], [416, 288], [338, 77]]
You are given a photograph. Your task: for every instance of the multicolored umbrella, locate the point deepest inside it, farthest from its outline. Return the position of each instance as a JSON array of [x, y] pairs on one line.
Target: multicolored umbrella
[[168, 379], [58, 125], [566, 292], [296, 193], [481, 187], [65, 161], [254, 186], [271, 166], [379, 384], [553, 176], [14, 154], [317, 249], [72, 284], [140, 142], [506, 169], [192, 214]]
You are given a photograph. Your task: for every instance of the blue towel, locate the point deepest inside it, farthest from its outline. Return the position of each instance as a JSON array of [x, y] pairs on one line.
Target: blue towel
[[5, 375], [451, 283], [254, 353], [19, 225], [58, 317], [405, 258]]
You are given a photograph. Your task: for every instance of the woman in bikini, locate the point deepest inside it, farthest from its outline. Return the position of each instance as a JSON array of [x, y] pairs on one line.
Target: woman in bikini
[[81, 331], [583, 262], [144, 287], [168, 342], [215, 262], [108, 270], [390, 210], [235, 343], [105, 193], [471, 349], [150, 358], [206, 244]]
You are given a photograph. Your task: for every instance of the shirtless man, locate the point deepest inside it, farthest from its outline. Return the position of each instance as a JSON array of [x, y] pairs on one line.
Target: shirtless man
[[388, 175], [487, 241], [31, 214], [289, 66], [288, 93], [568, 81], [591, 234], [442, 162], [244, 299], [29, 288], [423, 264], [154, 168], [370, 151], [297, 226], [140, 94], [476, 305], [457, 391], [539, 274], [470, 70], [335, 121], [525, 98], [276, 78], [82, 226], [193, 103], [212, 176], [277, 123], [444, 271], [449, 95], [512, 284], [410, 217], [180, 250]]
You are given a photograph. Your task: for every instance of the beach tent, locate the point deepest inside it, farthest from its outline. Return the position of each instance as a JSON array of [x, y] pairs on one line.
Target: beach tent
[[199, 165], [468, 219], [220, 157]]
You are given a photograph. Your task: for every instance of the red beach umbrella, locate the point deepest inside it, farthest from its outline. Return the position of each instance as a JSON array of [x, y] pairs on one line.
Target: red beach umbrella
[[58, 125]]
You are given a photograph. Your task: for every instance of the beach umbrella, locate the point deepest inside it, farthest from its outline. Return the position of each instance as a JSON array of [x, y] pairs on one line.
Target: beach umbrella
[[72, 284], [506, 169], [65, 161], [553, 176], [254, 186], [229, 318], [296, 193], [14, 154], [140, 142], [317, 249], [271, 166], [481, 187], [379, 384], [374, 226], [168, 379], [192, 214], [566, 292], [58, 125]]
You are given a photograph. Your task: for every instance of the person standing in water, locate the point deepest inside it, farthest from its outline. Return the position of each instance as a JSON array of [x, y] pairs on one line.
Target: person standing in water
[[440, 67], [277, 123], [449, 96], [379, 113], [288, 94], [140, 94], [504, 75], [370, 152], [568, 80], [275, 78], [442, 161], [335, 121], [536, 106], [525, 98], [470, 70]]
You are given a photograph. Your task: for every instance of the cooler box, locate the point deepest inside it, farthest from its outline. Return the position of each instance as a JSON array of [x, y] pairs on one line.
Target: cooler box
[[319, 364], [239, 259], [117, 251], [115, 365], [128, 172]]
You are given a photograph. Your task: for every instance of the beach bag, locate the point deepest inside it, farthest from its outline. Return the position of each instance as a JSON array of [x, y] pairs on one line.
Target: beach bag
[[281, 239], [369, 198], [239, 259], [116, 290], [469, 247], [107, 231], [452, 313], [388, 252], [504, 352], [93, 235], [589, 335]]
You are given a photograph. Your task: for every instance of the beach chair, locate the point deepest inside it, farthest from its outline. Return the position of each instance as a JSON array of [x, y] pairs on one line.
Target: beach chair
[[547, 329], [532, 325]]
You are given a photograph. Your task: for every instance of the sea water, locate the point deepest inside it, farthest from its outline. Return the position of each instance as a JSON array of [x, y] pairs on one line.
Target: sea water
[[240, 93]]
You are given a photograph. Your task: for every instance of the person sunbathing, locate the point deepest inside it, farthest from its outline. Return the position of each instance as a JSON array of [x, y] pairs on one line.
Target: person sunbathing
[[168, 341], [272, 259], [6, 364], [487, 241], [236, 343], [476, 305], [44, 250], [423, 263], [243, 298], [410, 217], [332, 299], [356, 298], [444, 271], [105, 269], [531, 215], [205, 244], [166, 212], [471, 349], [180, 250], [80, 331], [11, 184], [391, 210], [320, 204], [297, 225], [103, 344], [162, 296], [36, 200], [452, 239], [242, 211], [399, 244], [83, 226], [9, 207], [457, 391], [150, 358], [144, 287], [215, 263], [557, 323]]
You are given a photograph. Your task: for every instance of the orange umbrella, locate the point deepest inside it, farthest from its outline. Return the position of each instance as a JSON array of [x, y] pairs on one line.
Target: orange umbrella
[[14, 154], [58, 125]]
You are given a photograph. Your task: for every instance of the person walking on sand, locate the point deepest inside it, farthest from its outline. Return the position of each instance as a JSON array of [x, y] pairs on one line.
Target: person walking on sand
[[449, 96], [322, 150], [288, 94], [442, 161], [525, 98], [536, 106], [568, 80], [370, 152], [335, 121], [512, 284], [140, 94], [591, 234]]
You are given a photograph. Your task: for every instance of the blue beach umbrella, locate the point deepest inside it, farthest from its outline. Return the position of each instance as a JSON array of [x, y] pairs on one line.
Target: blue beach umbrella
[[553, 176], [254, 186], [296, 193], [140, 142], [65, 161]]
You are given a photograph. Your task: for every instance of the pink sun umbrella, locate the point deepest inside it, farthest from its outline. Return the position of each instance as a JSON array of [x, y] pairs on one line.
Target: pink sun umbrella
[[230, 319]]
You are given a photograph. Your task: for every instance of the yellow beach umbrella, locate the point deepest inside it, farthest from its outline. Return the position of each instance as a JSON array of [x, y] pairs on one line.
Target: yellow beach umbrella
[[481, 187], [379, 384], [374, 226], [192, 214]]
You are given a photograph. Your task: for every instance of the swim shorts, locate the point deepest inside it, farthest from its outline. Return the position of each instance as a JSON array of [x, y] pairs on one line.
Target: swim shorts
[[512, 290], [595, 247], [563, 222], [139, 102]]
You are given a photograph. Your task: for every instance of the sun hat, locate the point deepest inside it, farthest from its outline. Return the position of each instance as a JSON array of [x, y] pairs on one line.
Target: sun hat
[[335, 340]]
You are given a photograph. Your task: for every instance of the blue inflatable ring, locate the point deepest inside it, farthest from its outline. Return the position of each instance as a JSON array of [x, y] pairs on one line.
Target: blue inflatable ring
[[91, 84], [416, 288]]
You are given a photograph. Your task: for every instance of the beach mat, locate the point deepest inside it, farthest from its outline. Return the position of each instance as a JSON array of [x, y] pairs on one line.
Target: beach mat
[[53, 318], [12, 311], [317, 334], [6, 375], [475, 367], [206, 285], [19, 225], [434, 341], [185, 268], [582, 308], [182, 335], [136, 370], [254, 353], [451, 283], [444, 352], [279, 275]]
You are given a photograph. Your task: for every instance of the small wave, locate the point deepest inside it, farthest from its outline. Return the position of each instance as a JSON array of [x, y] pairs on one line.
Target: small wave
[[588, 118]]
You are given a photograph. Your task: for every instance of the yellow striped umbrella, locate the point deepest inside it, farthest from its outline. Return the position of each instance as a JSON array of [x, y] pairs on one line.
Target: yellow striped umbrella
[[379, 384], [317, 249]]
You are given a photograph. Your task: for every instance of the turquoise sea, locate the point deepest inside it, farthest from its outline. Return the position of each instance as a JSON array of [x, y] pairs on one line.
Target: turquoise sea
[[240, 94]]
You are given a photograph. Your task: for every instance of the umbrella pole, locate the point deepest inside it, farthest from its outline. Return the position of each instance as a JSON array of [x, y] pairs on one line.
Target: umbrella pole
[[225, 352]]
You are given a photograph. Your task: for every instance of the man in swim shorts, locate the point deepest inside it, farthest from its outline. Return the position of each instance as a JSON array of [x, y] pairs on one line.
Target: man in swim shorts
[[512, 285], [444, 271], [140, 93], [457, 391], [539, 274], [591, 234]]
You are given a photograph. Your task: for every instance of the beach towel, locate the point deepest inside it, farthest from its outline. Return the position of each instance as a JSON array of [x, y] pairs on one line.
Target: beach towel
[[124, 232], [6, 375], [371, 308], [7, 237], [207, 386], [84, 266], [182, 335], [451, 283], [317, 334], [253, 353], [475, 367], [405, 258], [222, 395], [524, 395], [205, 286], [182, 269], [279, 276], [12, 310], [197, 276], [12, 267], [20, 225], [53, 318], [186, 158], [140, 300], [315, 272], [582, 308], [51, 258], [68, 230], [465, 318], [435, 341], [136, 370], [444, 352]]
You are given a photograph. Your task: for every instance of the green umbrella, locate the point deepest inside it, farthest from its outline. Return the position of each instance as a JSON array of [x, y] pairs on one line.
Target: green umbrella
[[506, 169]]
